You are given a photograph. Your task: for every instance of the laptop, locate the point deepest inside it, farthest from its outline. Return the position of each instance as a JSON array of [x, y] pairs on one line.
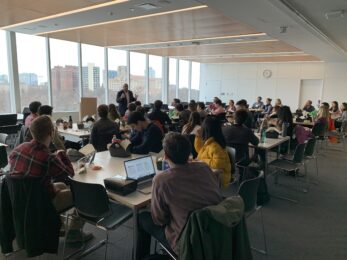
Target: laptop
[[141, 169]]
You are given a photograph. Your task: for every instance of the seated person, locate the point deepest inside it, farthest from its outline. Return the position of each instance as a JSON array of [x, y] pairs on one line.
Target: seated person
[[201, 109], [131, 108], [240, 136], [57, 140], [218, 108], [34, 108], [193, 125], [274, 111], [334, 110], [34, 158], [267, 107], [103, 130], [173, 112], [308, 107], [258, 104], [112, 112], [149, 137], [210, 146], [158, 115], [185, 114], [242, 104], [174, 197], [231, 107], [278, 102]]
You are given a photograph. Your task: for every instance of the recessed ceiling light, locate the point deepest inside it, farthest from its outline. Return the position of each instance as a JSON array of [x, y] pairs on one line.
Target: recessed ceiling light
[[148, 6]]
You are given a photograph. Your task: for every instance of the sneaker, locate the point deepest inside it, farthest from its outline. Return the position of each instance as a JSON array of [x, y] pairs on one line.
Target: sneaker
[[75, 236]]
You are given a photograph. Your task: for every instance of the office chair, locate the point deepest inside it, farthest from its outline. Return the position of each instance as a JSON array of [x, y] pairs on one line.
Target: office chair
[[94, 207], [310, 151], [291, 165], [248, 191]]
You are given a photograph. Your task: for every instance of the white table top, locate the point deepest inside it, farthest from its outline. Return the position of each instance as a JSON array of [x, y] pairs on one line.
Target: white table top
[[112, 166], [80, 133], [271, 142]]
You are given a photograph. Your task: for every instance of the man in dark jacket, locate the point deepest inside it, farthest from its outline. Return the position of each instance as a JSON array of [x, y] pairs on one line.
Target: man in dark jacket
[[158, 115], [125, 97], [151, 135], [239, 136], [103, 130]]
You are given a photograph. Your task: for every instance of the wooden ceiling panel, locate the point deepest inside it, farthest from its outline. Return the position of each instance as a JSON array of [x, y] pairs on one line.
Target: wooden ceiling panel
[[201, 23], [259, 59], [223, 49], [17, 11]]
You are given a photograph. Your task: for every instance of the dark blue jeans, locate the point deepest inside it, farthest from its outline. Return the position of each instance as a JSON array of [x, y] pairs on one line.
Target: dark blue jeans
[[147, 228]]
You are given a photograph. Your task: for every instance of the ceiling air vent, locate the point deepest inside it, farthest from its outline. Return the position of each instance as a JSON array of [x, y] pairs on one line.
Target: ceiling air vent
[[147, 6]]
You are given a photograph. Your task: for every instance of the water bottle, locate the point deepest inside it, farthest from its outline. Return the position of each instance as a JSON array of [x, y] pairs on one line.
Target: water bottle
[[114, 139], [263, 135], [70, 122]]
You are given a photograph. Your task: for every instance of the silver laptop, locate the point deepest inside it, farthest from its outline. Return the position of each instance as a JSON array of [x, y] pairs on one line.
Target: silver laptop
[[141, 169]]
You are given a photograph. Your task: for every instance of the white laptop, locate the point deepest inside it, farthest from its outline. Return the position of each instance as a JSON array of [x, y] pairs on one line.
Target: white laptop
[[141, 169]]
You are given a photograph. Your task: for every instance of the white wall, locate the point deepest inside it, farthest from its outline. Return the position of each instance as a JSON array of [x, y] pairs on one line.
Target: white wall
[[246, 80]]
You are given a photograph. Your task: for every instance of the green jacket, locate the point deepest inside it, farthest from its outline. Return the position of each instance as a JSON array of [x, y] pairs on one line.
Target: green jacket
[[216, 233]]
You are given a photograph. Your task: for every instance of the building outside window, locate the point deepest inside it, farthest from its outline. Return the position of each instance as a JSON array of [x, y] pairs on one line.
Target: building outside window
[[32, 69], [155, 74], [183, 86], [93, 72], [65, 75], [138, 75], [117, 72], [5, 97], [195, 81]]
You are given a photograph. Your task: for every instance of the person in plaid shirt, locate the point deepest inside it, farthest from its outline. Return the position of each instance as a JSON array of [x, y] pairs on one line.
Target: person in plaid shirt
[[35, 159]]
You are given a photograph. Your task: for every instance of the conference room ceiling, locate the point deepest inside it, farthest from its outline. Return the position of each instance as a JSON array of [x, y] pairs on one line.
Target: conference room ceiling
[[181, 28], [328, 16]]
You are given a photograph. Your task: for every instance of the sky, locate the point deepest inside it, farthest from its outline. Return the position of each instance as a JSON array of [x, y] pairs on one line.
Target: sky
[[31, 53]]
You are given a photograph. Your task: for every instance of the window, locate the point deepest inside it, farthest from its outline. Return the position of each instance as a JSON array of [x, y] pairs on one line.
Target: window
[[5, 98], [93, 72], [155, 74], [137, 75], [195, 82], [172, 79], [32, 69], [117, 72], [183, 81], [65, 75]]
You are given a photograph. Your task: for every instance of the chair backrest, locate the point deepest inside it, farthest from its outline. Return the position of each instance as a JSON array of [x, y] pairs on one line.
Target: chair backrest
[[248, 191], [90, 199], [310, 147], [192, 140], [3, 138], [299, 153], [319, 129], [232, 157], [343, 128]]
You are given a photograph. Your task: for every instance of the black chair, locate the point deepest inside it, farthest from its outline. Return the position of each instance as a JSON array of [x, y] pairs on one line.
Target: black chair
[[319, 130], [192, 140], [291, 165], [248, 191], [310, 150], [93, 206]]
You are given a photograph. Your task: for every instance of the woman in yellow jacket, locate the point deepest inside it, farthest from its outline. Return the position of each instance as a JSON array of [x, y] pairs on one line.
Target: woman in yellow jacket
[[210, 146]]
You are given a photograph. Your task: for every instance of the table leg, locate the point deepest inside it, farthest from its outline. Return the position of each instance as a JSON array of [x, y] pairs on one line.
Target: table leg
[[135, 232], [266, 164]]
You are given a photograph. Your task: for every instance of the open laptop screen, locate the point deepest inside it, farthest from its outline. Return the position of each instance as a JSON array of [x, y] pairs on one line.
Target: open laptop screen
[[140, 168]]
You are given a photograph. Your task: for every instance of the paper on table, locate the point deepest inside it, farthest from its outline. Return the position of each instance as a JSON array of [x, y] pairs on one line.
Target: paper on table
[[88, 149], [125, 143]]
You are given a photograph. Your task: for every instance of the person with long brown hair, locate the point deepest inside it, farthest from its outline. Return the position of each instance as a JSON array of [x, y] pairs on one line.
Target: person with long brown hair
[[193, 125]]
